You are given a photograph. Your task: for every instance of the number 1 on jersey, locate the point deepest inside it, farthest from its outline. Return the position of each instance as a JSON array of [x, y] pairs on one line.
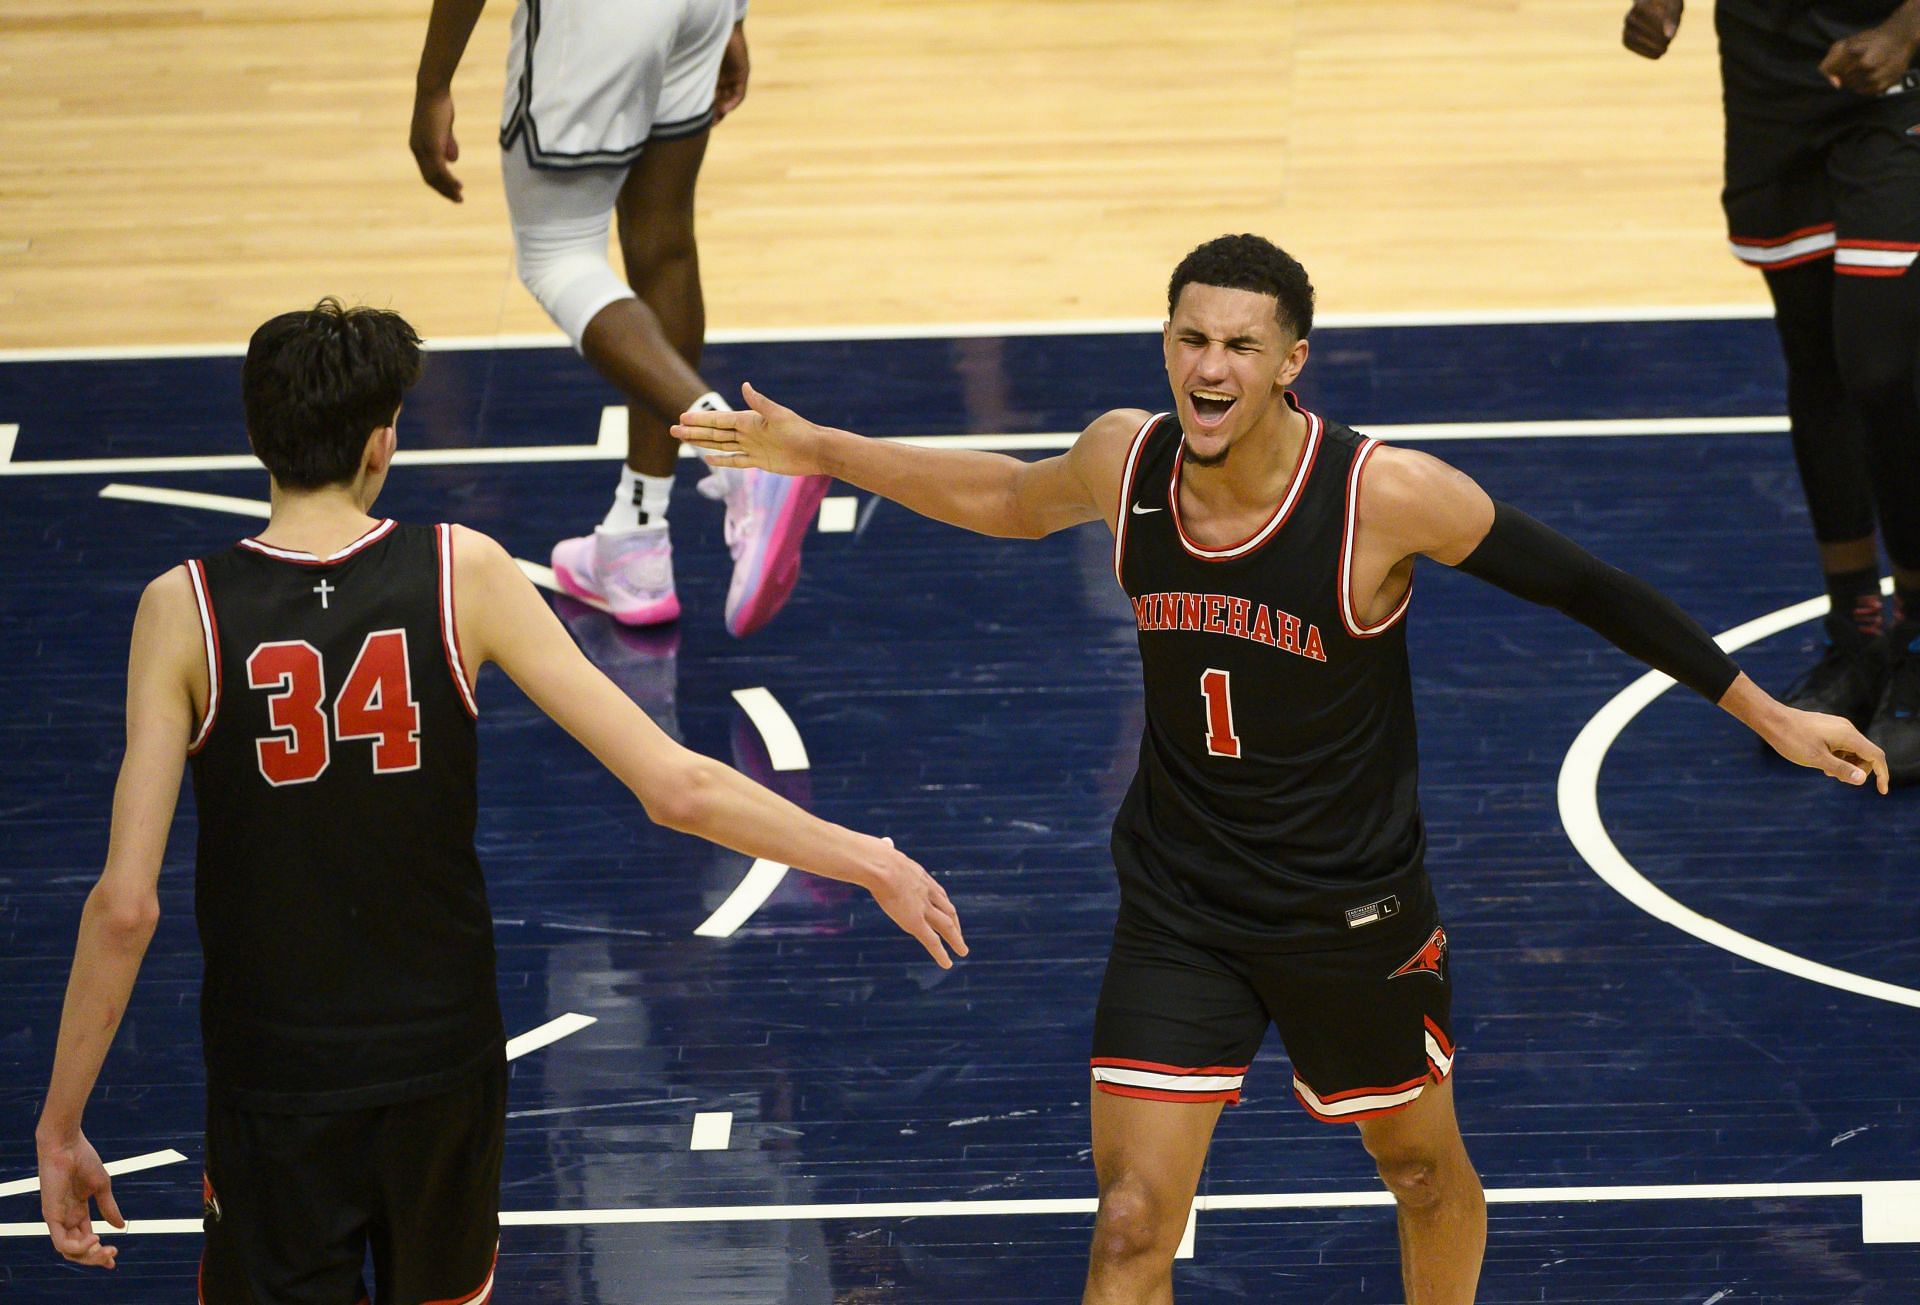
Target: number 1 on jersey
[[1221, 740]]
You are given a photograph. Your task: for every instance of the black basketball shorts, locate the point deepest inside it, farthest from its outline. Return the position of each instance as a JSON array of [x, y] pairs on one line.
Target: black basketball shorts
[[293, 1203], [1366, 1025], [1841, 184]]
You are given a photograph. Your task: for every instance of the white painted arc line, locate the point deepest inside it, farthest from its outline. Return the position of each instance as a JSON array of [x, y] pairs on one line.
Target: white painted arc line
[[1579, 801], [784, 748], [1868, 1191], [244, 507], [749, 896], [1042, 441], [565, 1026], [961, 330], [131, 1165], [838, 514], [712, 1130]]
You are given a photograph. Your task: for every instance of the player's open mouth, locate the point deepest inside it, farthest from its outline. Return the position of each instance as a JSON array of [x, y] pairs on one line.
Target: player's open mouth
[[1210, 407]]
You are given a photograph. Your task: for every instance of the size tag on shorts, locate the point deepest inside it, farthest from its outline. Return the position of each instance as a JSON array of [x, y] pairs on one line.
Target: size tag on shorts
[[1373, 912]]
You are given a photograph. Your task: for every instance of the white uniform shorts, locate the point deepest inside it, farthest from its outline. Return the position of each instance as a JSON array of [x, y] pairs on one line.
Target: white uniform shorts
[[590, 82]]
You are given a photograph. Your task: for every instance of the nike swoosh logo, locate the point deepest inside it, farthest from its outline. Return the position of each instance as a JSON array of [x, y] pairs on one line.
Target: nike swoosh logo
[[1139, 511]]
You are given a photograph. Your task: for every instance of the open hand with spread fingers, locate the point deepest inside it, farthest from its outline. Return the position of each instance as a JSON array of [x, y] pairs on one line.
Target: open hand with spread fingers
[[767, 436], [1828, 743]]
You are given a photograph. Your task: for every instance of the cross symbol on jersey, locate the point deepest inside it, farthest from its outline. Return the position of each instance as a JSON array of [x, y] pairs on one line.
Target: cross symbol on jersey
[[323, 589]]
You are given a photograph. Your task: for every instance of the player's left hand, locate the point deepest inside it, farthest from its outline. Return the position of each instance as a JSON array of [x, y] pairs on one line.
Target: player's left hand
[[432, 142], [732, 85], [1828, 743], [1870, 62], [71, 1176]]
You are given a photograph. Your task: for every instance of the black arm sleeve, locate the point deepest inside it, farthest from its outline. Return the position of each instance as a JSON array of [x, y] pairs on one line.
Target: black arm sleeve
[[1539, 564]]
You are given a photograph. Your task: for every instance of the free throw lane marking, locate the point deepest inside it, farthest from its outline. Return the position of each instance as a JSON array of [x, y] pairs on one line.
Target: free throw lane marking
[[838, 513], [1579, 797], [712, 1130], [131, 1165], [547, 1034], [750, 896]]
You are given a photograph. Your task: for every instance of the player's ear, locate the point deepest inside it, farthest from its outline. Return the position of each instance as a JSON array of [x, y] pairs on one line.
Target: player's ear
[[1295, 362], [380, 447]]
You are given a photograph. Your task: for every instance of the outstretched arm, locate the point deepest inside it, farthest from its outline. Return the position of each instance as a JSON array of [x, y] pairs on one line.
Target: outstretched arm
[[502, 619], [121, 912], [990, 493], [1412, 504], [431, 138]]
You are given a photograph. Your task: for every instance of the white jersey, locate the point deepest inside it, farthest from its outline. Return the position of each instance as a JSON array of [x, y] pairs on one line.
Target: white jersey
[[590, 82]]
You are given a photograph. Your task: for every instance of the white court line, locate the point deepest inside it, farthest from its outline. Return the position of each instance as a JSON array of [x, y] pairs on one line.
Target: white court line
[[9, 436], [1894, 1206], [1185, 1251], [131, 1165], [712, 1130], [565, 1026], [838, 514], [1042, 441], [784, 748], [965, 330], [751, 894], [1579, 799], [243, 507]]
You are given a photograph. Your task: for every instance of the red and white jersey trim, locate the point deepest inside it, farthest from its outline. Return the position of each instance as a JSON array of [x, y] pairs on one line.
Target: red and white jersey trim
[[1789, 250], [1874, 257], [1349, 617], [1169, 1082], [449, 630], [480, 1297], [210, 633], [1125, 509], [1361, 1103], [1301, 471], [373, 536]]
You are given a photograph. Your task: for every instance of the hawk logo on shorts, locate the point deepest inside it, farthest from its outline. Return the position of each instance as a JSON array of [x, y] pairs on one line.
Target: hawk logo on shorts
[[1430, 959], [209, 1203]]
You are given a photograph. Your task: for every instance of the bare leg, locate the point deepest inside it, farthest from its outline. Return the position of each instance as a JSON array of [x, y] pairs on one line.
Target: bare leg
[[650, 346], [1443, 1212], [1147, 1156]]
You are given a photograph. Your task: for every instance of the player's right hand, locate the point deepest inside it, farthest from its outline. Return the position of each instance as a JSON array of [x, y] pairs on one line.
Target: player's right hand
[[71, 1176], [1870, 62], [1830, 744], [914, 901], [432, 141], [767, 435], [1651, 25]]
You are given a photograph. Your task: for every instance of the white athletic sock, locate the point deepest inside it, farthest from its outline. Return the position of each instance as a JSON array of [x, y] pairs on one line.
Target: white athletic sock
[[710, 402], [640, 503], [718, 482]]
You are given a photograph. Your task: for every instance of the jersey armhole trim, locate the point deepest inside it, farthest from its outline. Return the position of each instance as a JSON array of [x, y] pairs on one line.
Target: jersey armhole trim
[[1126, 494], [1349, 616], [210, 638], [449, 631]]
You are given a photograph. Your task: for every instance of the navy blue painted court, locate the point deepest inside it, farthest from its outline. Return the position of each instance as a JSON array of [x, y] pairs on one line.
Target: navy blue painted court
[[977, 700]]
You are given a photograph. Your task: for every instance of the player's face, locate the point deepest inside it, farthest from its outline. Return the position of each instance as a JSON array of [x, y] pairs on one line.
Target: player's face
[[1228, 359]]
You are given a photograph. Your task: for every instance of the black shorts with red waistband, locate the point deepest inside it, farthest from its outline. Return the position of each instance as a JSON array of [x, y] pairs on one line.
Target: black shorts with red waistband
[[1813, 172], [1366, 1024], [294, 1202]]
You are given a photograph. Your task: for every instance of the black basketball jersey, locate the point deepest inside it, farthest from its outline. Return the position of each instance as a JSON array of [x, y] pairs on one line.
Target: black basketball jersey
[[349, 947], [1275, 806], [1770, 53]]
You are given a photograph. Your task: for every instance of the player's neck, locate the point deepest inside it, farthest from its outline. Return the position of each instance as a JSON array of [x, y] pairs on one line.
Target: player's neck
[[1258, 467], [318, 521]]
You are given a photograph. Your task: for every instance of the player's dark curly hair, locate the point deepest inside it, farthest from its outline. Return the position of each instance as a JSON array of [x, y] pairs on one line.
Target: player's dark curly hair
[[319, 381], [1248, 262]]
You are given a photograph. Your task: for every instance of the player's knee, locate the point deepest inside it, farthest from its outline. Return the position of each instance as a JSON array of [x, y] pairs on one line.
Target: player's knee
[[1412, 1175], [1133, 1226], [570, 277], [649, 247]]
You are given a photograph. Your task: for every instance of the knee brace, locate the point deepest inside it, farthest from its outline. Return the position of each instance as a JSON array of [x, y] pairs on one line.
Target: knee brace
[[564, 265]]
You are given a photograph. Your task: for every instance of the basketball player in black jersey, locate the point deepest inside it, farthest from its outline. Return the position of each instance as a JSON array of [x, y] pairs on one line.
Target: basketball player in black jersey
[[1270, 850], [320, 679], [1823, 197]]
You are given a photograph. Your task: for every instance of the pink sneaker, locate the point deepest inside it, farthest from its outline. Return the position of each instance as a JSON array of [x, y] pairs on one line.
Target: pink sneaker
[[629, 571], [767, 520]]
